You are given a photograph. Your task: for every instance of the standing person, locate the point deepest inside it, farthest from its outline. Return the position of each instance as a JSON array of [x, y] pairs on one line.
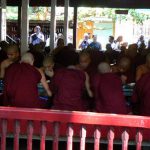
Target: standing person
[[95, 45], [37, 37], [141, 42], [112, 42], [85, 42], [118, 43]]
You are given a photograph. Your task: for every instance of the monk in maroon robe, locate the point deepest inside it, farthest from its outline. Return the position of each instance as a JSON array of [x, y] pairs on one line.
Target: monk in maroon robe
[[20, 84], [108, 92], [69, 84], [141, 95]]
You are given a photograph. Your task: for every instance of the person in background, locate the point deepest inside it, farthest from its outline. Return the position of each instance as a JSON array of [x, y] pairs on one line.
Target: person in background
[[3, 50], [118, 43], [85, 42], [20, 84], [95, 45], [141, 42], [107, 89], [37, 37], [13, 56], [112, 42]]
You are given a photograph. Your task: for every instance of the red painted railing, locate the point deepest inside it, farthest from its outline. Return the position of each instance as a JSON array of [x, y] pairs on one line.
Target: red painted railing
[[57, 124]]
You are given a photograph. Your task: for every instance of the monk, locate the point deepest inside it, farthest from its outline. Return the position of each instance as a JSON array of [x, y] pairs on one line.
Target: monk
[[107, 89], [143, 69], [141, 94], [69, 84], [48, 67], [20, 84], [125, 70], [13, 56]]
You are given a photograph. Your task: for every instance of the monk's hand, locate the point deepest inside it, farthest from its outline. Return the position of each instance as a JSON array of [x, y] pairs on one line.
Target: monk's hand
[[123, 79]]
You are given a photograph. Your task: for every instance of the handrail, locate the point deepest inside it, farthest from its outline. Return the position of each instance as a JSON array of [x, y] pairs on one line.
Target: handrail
[[7, 36], [74, 117]]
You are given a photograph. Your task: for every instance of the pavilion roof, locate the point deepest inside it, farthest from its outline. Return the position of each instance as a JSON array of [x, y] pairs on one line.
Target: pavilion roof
[[89, 3]]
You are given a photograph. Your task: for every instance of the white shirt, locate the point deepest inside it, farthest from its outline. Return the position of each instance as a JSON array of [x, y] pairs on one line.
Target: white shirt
[[36, 38]]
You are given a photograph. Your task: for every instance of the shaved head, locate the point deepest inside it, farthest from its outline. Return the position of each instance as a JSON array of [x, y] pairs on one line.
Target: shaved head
[[27, 58], [104, 68]]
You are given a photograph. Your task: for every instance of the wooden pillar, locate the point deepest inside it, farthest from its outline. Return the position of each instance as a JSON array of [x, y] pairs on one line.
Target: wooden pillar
[[66, 12], [24, 26], [53, 24], [75, 26], [19, 21], [3, 20]]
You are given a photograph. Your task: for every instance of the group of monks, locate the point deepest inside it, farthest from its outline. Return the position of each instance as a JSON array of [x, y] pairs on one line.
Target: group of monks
[[89, 80]]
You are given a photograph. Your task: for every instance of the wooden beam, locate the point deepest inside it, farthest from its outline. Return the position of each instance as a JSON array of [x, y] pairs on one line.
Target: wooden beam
[[53, 24], [24, 26], [66, 12], [3, 20]]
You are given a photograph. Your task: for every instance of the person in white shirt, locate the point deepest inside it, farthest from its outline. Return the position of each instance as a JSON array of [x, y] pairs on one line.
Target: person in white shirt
[[37, 37], [111, 42]]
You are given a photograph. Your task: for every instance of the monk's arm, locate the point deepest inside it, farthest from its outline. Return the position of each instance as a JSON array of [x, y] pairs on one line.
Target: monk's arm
[[139, 73], [87, 85], [2, 70], [44, 83]]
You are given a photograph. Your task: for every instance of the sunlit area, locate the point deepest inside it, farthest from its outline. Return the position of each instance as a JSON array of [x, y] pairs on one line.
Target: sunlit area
[[102, 22]]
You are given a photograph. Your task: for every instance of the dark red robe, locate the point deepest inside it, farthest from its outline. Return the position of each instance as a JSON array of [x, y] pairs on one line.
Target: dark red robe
[[20, 86], [141, 95], [69, 86], [108, 94]]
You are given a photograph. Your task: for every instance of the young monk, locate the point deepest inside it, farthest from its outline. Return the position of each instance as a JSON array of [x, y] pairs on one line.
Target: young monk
[[108, 92], [124, 69], [13, 56], [20, 84], [143, 69], [48, 65], [69, 84], [141, 94]]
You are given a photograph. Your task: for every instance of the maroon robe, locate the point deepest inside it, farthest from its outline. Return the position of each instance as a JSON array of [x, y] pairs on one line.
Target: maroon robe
[[108, 94], [20, 86], [69, 86], [141, 95]]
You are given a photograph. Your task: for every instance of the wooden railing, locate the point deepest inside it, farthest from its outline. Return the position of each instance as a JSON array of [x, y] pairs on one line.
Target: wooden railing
[[21, 121]]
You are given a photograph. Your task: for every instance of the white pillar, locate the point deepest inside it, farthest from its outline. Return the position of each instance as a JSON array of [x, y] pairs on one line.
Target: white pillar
[[24, 26], [66, 12], [2, 20], [53, 24]]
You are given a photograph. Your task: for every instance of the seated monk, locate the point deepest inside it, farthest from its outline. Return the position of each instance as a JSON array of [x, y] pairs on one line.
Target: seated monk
[[143, 69], [69, 84], [141, 94], [20, 84], [48, 65], [13, 56], [107, 89], [124, 69]]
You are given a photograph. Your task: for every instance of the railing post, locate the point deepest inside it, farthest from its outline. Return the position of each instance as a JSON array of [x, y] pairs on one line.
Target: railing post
[[125, 138], [111, 136], [97, 136], [56, 136], [82, 137], [139, 139], [16, 135], [4, 133], [69, 137], [30, 134], [43, 135]]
